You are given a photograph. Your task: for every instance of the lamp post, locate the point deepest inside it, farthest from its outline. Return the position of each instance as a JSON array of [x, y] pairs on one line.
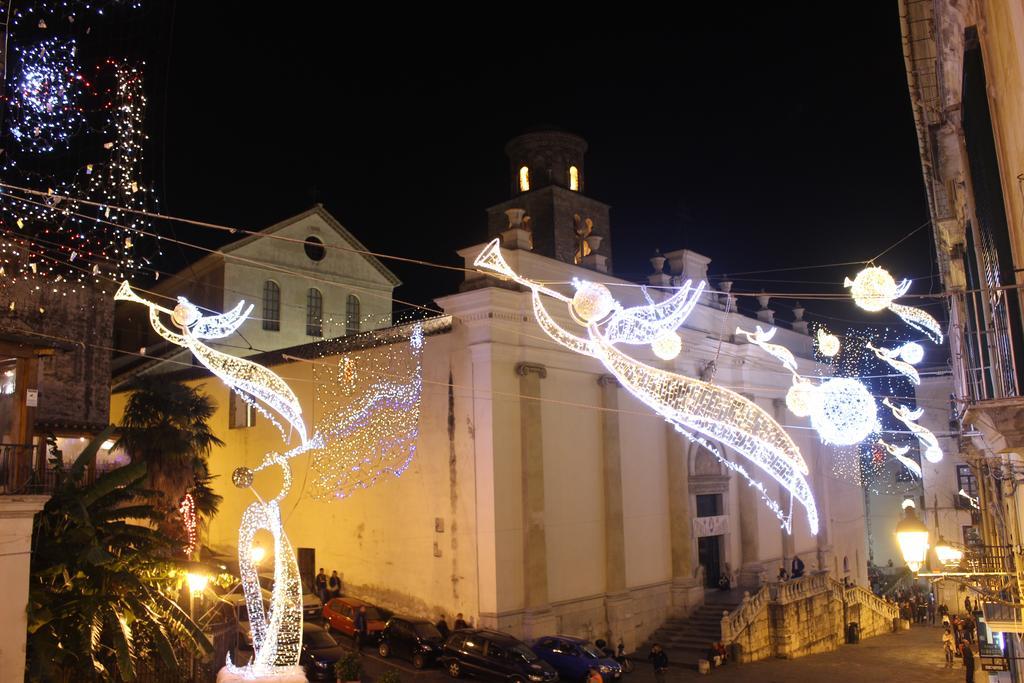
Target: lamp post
[[912, 535], [196, 584]]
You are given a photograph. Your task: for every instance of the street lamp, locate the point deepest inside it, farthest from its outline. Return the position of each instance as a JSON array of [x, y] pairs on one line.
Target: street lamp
[[196, 584], [912, 536], [257, 554], [948, 554]]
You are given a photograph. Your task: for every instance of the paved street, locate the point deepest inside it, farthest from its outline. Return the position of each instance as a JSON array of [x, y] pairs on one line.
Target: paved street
[[913, 656]]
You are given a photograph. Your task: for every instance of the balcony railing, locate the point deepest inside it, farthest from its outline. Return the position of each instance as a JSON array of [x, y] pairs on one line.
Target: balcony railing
[[24, 471], [988, 338]]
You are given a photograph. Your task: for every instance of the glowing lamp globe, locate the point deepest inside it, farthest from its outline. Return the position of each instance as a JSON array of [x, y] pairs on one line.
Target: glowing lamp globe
[[667, 346], [948, 555], [185, 314], [197, 582], [257, 553], [828, 344], [801, 398], [912, 535], [845, 412], [873, 289], [933, 454], [592, 302], [912, 352]]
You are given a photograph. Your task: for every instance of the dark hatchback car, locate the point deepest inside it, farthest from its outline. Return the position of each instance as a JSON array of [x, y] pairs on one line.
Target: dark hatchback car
[[319, 652], [493, 656], [574, 657], [414, 640]]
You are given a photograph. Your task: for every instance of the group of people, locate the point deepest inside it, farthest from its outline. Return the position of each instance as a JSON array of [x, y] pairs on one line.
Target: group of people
[[328, 587], [796, 570], [917, 606], [442, 625]]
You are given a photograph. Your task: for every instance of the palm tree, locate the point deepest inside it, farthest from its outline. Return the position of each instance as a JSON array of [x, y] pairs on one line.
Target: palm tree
[[165, 425], [102, 586]]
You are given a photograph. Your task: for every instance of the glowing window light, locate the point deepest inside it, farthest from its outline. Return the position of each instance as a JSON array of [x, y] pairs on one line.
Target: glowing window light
[[874, 289], [912, 536], [930, 444], [902, 367], [524, 179], [761, 339], [690, 405], [845, 412], [828, 343], [574, 179]]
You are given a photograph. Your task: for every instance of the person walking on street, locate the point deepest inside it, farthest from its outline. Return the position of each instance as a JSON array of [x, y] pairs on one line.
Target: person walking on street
[[460, 622], [321, 586], [442, 626], [334, 584], [968, 655], [947, 647], [967, 604], [361, 626], [659, 660]]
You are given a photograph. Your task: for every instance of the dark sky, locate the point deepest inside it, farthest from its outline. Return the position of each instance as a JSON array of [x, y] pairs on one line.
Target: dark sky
[[761, 138]]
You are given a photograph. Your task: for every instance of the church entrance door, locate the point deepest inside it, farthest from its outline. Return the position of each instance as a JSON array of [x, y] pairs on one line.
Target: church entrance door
[[709, 555]]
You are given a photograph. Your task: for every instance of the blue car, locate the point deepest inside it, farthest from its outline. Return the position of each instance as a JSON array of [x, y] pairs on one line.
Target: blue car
[[573, 658]]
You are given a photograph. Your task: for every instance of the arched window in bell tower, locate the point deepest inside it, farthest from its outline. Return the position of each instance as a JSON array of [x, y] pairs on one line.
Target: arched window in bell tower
[[574, 179], [524, 179]]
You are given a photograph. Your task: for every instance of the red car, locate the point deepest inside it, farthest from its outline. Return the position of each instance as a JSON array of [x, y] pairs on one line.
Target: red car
[[340, 613]]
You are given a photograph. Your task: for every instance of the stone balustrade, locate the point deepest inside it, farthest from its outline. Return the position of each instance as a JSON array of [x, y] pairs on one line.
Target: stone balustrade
[[733, 623]]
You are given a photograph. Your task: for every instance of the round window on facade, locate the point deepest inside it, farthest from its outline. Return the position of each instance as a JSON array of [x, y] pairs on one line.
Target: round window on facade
[[315, 249]]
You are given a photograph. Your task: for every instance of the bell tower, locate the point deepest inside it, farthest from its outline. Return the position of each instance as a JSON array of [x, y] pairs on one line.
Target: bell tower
[[547, 181]]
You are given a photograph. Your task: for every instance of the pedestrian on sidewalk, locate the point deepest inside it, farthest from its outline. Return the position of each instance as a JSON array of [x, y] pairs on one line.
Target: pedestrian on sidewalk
[[334, 584], [947, 647], [660, 662], [361, 626], [321, 586], [968, 655]]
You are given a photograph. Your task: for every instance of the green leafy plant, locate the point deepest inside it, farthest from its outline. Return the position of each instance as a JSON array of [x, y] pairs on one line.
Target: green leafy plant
[[102, 582], [349, 667], [390, 676]]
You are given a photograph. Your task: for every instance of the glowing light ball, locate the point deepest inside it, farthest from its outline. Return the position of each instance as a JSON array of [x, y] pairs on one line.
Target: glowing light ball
[[933, 454], [912, 352], [845, 412], [801, 398], [185, 315], [828, 343], [242, 477], [873, 289], [667, 346], [592, 301]]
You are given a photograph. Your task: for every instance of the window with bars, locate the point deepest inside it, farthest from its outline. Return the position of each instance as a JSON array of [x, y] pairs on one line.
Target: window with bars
[[314, 313], [271, 306], [351, 315]]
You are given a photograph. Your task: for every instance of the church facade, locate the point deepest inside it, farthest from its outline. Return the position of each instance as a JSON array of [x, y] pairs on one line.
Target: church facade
[[543, 497]]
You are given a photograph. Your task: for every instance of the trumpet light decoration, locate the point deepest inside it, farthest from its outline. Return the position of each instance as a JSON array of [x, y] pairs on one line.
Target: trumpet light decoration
[[909, 417], [699, 410], [874, 289], [277, 634], [892, 357], [900, 454]]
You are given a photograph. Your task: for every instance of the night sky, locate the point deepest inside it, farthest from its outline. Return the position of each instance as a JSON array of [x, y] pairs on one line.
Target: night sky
[[762, 139]]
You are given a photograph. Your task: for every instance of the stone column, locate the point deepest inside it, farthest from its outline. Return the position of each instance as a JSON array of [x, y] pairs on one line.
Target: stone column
[[16, 513], [687, 593], [537, 616], [618, 603], [752, 569]]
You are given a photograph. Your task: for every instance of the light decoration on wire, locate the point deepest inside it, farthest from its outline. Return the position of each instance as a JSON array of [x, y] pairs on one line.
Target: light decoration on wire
[[802, 397], [45, 106], [909, 417], [975, 502], [845, 412], [761, 339], [828, 343], [892, 357], [277, 634], [874, 289], [187, 510], [695, 408], [900, 454]]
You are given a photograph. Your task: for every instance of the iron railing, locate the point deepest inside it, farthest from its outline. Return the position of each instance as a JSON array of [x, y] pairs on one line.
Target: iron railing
[[988, 339]]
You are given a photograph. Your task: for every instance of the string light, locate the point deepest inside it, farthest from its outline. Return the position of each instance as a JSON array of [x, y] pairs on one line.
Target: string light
[[667, 346], [909, 417], [690, 405], [890, 356], [187, 510], [802, 397], [874, 289], [845, 412], [44, 107], [828, 344]]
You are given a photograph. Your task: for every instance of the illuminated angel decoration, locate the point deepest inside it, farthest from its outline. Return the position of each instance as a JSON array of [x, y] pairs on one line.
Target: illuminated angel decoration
[[909, 417], [697, 409], [277, 634], [828, 343], [892, 357], [900, 454], [761, 338], [875, 289]]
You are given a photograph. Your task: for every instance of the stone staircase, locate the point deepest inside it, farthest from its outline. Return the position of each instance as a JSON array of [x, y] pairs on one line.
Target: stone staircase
[[686, 639]]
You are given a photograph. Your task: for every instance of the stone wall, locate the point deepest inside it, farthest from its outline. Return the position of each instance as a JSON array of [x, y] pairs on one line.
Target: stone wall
[[806, 626]]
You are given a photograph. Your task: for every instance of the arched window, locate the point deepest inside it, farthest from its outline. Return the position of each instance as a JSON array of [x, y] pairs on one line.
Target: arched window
[[271, 306], [574, 179], [314, 313], [524, 179], [351, 315]]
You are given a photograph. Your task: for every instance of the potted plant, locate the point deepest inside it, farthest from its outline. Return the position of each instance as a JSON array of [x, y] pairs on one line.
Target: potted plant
[[389, 676], [349, 669]]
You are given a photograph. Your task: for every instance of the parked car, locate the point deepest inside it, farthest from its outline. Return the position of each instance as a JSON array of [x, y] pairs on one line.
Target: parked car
[[237, 603], [340, 614], [573, 657], [319, 652], [414, 640], [312, 606], [493, 655]]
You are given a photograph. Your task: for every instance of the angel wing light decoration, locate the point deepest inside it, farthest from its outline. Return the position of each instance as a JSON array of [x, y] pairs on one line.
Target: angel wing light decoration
[[893, 356], [900, 454], [875, 289], [697, 409], [932, 450]]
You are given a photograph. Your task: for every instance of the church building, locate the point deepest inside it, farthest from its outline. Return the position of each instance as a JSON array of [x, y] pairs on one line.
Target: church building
[[542, 496]]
